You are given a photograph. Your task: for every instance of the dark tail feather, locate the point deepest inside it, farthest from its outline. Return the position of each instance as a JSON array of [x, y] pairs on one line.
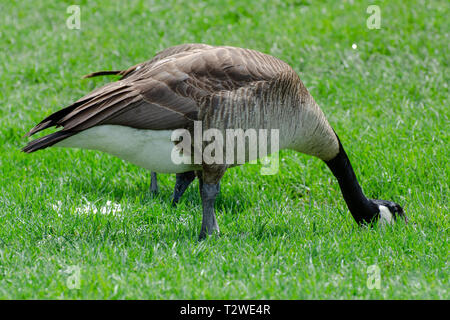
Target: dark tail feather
[[47, 141], [101, 73], [52, 120]]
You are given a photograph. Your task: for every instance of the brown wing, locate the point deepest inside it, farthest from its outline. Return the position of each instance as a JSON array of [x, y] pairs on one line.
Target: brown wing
[[166, 53], [169, 94], [187, 47]]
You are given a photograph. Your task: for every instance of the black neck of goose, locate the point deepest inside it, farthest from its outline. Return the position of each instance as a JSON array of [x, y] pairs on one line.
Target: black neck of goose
[[361, 208]]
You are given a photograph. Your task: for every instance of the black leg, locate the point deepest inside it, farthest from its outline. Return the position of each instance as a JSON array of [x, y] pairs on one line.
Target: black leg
[[200, 180], [209, 189], [183, 180], [209, 223], [154, 183]]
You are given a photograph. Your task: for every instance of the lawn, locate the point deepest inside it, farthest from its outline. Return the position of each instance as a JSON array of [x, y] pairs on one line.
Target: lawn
[[82, 224]]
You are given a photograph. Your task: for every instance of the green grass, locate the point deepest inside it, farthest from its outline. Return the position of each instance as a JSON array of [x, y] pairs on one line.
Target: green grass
[[287, 236]]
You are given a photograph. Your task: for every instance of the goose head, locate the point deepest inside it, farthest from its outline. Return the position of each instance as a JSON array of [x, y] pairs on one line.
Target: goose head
[[389, 211]]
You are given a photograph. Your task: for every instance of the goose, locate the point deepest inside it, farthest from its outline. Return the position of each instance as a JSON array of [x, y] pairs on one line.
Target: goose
[[221, 87]]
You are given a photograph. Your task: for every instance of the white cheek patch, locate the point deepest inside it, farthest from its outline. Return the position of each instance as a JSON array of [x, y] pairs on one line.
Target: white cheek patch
[[385, 215]]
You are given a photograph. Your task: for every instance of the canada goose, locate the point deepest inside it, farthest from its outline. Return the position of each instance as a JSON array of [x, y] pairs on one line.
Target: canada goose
[[223, 87]]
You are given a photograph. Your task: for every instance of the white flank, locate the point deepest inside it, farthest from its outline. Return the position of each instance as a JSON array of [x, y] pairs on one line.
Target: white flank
[[149, 149]]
